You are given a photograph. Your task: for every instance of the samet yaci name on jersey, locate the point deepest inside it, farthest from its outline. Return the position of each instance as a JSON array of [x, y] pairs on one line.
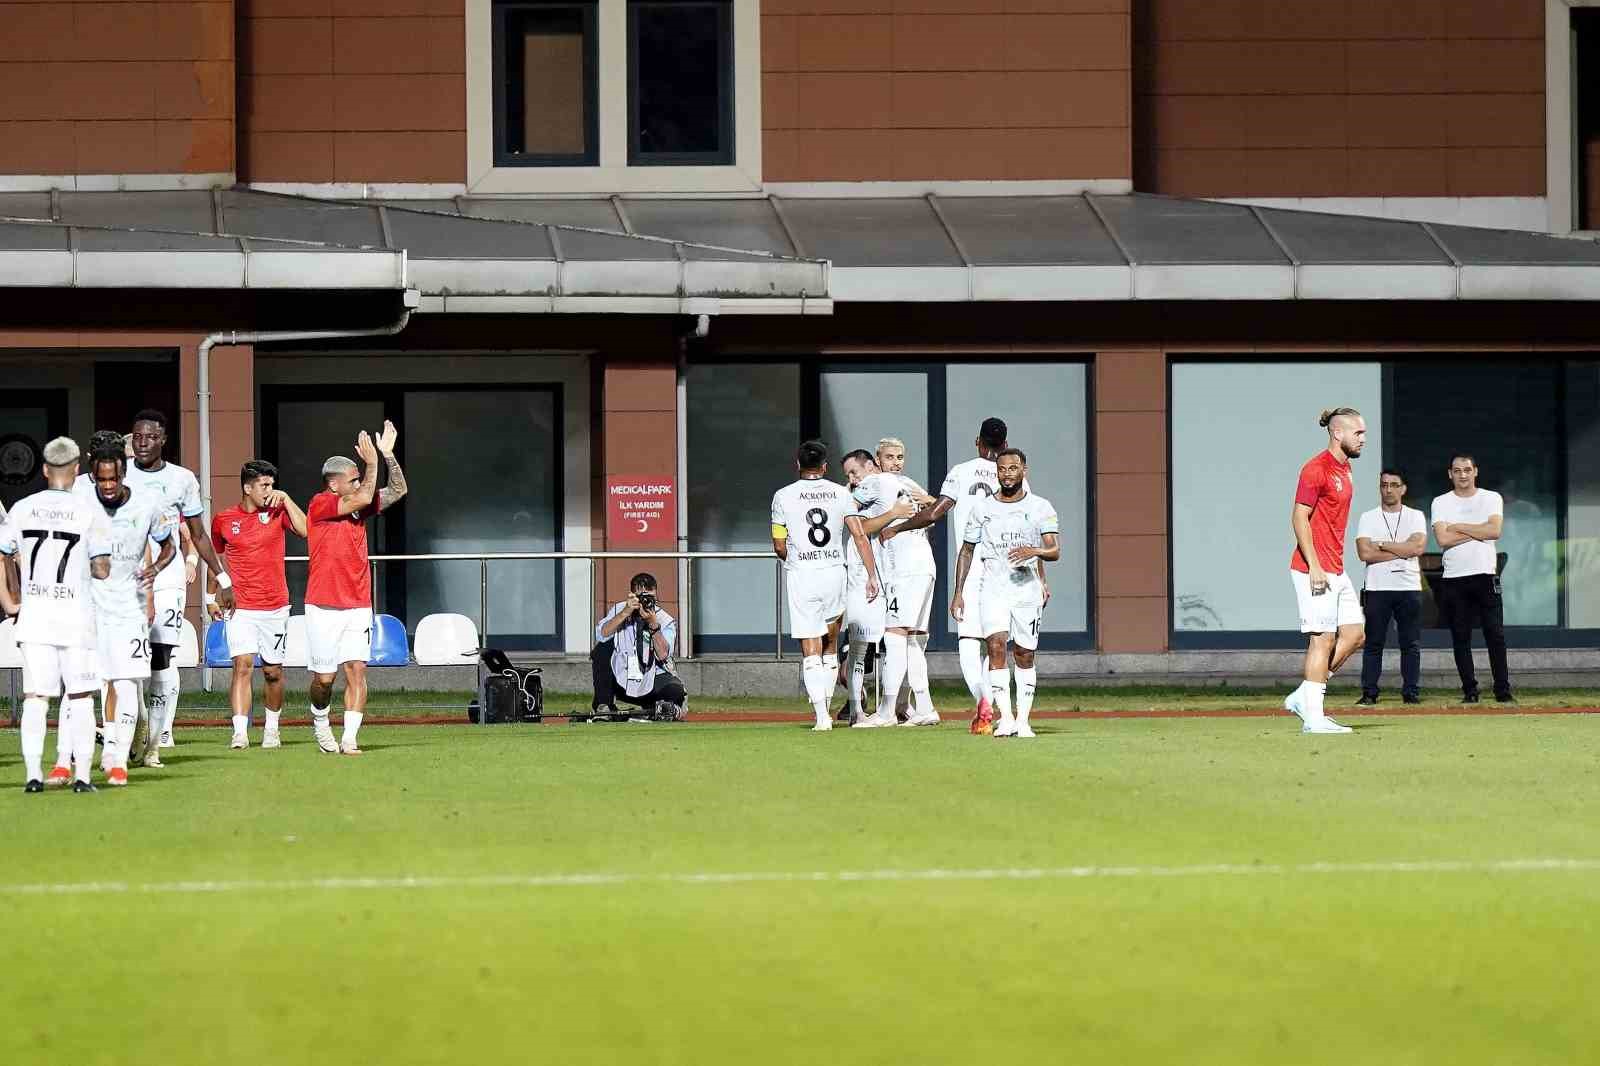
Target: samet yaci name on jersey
[[823, 554]]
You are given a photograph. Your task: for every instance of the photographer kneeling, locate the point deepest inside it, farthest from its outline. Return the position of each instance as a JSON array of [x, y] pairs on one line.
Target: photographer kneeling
[[633, 661]]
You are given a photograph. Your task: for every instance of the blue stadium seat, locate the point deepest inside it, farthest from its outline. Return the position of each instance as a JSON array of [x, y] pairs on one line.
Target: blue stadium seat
[[389, 645], [217, 647]]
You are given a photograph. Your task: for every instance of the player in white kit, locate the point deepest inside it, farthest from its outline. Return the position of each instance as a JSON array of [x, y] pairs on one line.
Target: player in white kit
[[54, 544], [181, 494], [909, 563], [866, 601], [122, 621], [1016, 530], [820, 514]]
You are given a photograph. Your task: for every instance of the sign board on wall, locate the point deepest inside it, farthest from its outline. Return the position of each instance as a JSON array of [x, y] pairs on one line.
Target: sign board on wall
[[641, 512]]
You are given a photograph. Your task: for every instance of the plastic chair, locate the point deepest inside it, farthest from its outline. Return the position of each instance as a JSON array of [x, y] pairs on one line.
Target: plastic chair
[[188, 653], [217, 647], [446, 640], [389, 644]]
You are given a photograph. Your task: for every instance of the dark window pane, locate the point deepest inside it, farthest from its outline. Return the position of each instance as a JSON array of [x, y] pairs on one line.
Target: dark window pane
[[546, 86], [680, 55], [1586, 74]]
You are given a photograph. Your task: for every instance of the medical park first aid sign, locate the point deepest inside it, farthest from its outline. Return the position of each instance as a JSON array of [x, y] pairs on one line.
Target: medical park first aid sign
[[641, 512]]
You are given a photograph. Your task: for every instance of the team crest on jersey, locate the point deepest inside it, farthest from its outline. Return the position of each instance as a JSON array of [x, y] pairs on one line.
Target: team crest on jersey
[[263, 517], [1338, 483], [235, 529]]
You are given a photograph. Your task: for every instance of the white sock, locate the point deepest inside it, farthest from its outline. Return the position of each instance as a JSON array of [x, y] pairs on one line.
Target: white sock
[[1026, 682], [241, 724], [818, 683], [1314, 692], [830, 663], [1000, 693], [64, 734], [34, 727], [973, 672], [120, 736], [272, 719], [917, 673], [167, 681], [82, 724], [352, 726], [858, 673], [894, 673]]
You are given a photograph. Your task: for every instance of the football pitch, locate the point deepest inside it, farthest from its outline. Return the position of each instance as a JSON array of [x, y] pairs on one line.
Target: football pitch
[[1203, 890]]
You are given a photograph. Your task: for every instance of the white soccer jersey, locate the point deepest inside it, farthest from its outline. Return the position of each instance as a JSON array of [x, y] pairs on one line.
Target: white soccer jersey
[[180, 494], [812, 511], [907, 554], [53, 534], [969, 484], [134, 525], [996, 527], [854, 567]]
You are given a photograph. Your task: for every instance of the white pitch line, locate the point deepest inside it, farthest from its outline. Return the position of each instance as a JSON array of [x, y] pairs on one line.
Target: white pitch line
[[340, 884]]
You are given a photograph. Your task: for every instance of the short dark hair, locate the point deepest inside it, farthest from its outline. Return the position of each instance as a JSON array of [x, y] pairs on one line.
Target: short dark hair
[[811, 455], [1468, 456], [642, 580], [993, 432], [150, 414], [256, 468], [107, 455], [1390, 471], [1013, 451], [104, 440], [860, 455]]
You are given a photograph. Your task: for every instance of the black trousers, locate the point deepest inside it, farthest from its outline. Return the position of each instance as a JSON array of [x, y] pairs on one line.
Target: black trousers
[[607, 690], [1405, 609], [1472, 601]]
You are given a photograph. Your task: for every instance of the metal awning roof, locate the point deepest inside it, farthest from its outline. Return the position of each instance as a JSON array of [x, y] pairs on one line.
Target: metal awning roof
[[770, 254]]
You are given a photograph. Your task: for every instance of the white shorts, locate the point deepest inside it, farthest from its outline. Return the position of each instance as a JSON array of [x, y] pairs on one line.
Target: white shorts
[[816, 597], [167, 628], [124, 649], [48, 670], [336, 636], [866, 620], [1020, 620], [263, 633], [1339, 606], [971, 624], [911, 602]]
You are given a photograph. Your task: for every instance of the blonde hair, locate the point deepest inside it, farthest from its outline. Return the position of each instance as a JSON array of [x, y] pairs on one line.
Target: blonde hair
[[1327, 417], [891, 442]]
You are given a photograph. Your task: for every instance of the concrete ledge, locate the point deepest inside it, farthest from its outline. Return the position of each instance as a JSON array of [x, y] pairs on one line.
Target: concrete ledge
[[764, 676]]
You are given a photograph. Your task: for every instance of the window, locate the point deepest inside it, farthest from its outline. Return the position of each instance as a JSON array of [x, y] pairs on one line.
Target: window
[[546, 104], [680, 63], [1581, 573], [1586, 127]]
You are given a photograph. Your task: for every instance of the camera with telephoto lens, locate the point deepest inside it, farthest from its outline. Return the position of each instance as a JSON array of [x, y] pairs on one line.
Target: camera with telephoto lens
[[647, 600]]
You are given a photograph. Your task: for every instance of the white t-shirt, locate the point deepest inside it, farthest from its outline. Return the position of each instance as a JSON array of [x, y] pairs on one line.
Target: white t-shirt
[[1393, 575], [969, 484], [812, 511], [906, 554], [1473, 556], [134, 525], [53, 534], [996, 527], [180, 493]]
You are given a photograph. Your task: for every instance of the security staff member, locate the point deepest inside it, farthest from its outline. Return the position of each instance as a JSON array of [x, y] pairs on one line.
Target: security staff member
[[1467, 523], [1389, 539]]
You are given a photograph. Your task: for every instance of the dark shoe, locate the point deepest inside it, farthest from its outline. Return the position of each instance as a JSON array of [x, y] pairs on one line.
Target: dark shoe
[[1412, 698], [1367, 701], [1470, 697], [83, 786], [34, 786], [844, 713], [1504, 697], [667, 711]]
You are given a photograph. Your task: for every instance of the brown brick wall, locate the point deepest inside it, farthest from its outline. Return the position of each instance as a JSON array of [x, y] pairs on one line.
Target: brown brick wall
[[1331, 98], [639, 427], [116, 88], [1130, 391], [352, 90], [897, 90]]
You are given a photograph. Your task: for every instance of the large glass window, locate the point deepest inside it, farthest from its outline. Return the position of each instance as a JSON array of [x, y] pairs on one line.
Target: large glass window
[[1240, 434], [680, 82], [860, 408], [546, 110], [1582, 576], [744, 425]]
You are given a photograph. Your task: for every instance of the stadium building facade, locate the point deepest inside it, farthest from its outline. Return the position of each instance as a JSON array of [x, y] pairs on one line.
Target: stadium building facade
[[577, 247]]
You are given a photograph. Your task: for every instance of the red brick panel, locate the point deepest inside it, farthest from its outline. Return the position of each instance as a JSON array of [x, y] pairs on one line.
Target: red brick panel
[[1307, 98], [1130, 395], [861, 90]]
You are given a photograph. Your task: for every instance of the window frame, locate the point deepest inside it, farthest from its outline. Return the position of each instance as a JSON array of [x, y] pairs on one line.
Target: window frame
[[501, 11], [727, 136]]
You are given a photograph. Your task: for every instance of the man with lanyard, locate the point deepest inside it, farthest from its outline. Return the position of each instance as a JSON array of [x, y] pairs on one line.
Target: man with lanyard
[[1389, 538]]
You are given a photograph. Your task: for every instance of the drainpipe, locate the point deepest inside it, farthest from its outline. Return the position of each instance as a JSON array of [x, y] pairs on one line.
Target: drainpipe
[[412, 298]]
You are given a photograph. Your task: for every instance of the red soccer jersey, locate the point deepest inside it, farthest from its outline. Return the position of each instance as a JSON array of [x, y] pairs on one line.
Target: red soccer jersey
[[251, 543], [339, 577], [1326, 488]]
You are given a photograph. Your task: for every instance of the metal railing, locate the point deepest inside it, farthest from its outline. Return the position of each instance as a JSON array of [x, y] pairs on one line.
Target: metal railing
[[685, 649]]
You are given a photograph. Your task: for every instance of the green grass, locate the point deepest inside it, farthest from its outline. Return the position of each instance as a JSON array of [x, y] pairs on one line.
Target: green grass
[[1467, 966]]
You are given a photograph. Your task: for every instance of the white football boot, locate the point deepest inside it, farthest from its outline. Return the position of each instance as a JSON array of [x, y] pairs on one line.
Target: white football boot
[[271, 739], [1325, 726], [240, 740], [323, 731]]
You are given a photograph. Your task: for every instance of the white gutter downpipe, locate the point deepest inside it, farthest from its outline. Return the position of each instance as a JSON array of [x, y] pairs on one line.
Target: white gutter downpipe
[[412, 298]]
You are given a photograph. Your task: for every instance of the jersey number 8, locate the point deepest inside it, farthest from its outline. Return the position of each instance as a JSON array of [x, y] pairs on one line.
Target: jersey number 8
[[817, 532]]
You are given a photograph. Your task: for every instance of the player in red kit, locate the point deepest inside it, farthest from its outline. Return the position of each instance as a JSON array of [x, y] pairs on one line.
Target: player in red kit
[[1330, 610], [249, 538], [339, 590]]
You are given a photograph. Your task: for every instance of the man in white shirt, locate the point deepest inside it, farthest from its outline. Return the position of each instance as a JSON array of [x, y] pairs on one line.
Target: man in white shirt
[[633, 657], [1389, 539], [1467, 524]]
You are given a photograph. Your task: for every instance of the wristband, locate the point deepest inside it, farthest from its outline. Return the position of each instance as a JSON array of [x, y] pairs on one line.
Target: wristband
[[193, 558], [224, 581]]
